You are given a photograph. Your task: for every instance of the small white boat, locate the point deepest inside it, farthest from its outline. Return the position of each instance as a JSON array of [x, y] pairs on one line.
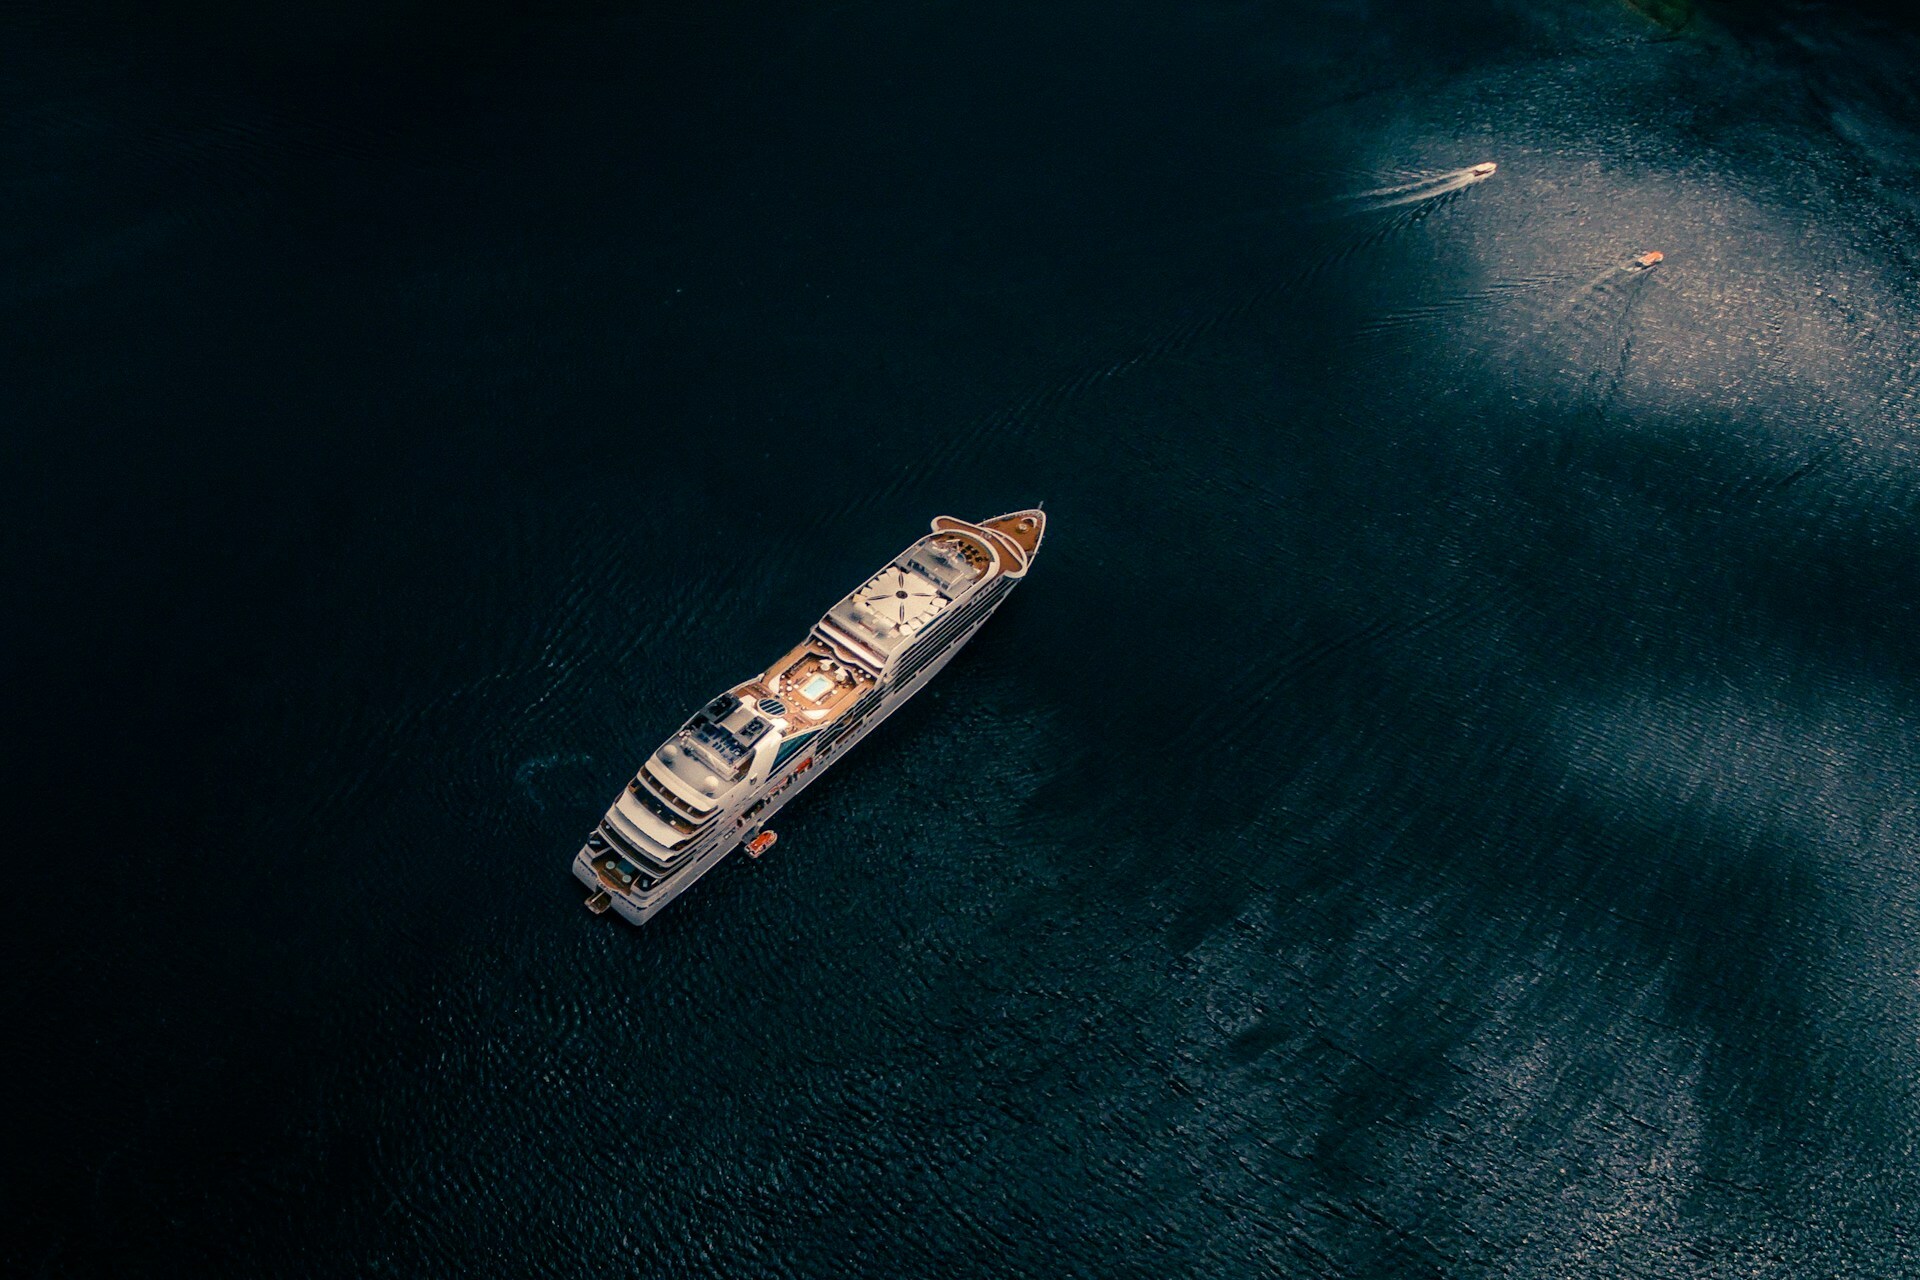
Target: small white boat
[[1482, 170]]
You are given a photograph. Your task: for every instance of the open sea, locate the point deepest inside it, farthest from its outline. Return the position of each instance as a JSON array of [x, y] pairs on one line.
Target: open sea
[[1446, 802]]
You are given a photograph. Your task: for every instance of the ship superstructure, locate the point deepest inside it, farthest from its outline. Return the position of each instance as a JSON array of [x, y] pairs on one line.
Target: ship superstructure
[[717, 781]]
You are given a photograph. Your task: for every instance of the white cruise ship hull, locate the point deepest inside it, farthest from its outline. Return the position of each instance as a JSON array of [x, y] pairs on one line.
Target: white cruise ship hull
[[790, 725]]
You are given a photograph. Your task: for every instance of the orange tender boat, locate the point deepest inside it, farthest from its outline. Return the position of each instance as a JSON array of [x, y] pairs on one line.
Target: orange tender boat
[[1646, 260], [760, 844]]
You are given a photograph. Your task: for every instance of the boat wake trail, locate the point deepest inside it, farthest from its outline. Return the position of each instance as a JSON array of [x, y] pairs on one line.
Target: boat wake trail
[[1598, 311], [1616, 281], [1429, 187]]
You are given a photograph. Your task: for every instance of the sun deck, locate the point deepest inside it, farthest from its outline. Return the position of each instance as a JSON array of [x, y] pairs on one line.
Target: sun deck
[[812, 686], [888, 610]]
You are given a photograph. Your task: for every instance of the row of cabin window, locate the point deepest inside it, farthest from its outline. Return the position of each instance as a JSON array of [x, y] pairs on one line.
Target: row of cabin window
[[935, 640]]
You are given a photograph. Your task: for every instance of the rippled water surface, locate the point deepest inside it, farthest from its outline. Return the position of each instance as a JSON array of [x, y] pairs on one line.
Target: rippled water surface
[[1443, 805]]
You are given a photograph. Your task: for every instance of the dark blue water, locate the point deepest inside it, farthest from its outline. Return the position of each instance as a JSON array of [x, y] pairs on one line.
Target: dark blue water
[[1443, 805]]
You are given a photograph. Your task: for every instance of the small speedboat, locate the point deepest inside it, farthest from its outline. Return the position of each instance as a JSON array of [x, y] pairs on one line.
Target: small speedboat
[[1482, 170], [1646, 260]]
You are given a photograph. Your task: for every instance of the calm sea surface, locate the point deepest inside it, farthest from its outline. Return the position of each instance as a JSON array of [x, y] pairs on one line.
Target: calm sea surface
[[1446, 803]]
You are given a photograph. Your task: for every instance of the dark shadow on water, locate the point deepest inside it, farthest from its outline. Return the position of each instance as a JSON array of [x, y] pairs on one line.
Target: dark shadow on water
[[1580, 627]]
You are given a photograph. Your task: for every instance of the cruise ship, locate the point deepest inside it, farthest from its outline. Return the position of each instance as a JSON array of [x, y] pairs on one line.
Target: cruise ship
[[716, 783]]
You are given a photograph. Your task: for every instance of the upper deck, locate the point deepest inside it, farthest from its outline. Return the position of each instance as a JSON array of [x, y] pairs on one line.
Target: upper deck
[[825, 676], [956, 559], [808, 687]]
